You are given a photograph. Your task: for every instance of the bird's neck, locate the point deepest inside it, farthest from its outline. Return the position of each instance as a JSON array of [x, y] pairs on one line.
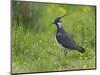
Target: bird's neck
[[60, 25]]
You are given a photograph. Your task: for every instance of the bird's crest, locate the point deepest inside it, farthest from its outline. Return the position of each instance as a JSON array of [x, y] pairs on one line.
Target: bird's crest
[[61, 17], [58, 19]]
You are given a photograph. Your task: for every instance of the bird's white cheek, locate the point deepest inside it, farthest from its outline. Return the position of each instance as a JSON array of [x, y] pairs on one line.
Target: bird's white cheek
[[59, 24]]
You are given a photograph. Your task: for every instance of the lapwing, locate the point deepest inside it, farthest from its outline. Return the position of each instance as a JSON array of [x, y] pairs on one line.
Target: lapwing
[[64, 39]]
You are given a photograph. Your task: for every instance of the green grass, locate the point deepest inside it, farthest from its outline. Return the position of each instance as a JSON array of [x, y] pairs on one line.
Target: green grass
[[33, 45], [39, 52]]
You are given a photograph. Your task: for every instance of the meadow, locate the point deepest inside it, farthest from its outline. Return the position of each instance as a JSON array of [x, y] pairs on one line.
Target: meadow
[[33, 37]]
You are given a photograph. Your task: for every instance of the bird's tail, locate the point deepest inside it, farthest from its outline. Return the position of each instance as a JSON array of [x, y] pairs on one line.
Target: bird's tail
[[80, 49]]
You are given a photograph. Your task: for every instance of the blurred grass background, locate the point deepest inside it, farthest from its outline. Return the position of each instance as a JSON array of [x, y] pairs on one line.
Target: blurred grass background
[[33, 46]]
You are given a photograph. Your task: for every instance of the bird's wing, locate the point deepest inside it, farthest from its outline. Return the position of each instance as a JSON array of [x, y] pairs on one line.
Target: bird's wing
[[65, 40]]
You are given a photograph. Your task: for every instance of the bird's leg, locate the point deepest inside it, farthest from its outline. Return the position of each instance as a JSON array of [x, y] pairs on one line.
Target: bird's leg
[[59, 53], [65, 52]]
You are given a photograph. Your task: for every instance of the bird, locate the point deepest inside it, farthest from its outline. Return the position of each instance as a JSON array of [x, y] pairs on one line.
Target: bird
[[65, 40]]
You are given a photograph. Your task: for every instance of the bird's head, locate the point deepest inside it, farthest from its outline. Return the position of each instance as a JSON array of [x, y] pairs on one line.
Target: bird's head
[[58, 20]]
